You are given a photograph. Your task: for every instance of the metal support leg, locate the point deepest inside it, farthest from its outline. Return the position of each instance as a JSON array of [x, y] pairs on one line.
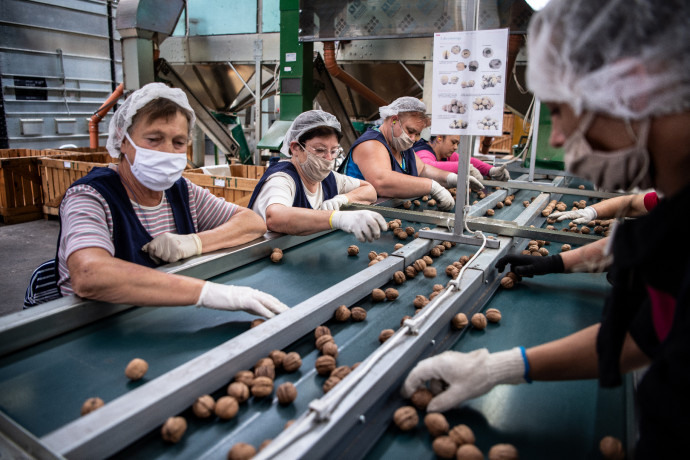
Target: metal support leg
[[535, 136], [258, 54]]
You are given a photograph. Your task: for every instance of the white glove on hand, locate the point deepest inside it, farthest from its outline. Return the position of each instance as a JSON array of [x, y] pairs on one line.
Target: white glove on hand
[[499, 173], [365, 225], [474, 172], [442, 196], [170, 247], [234, 298], [468, 375], [581, 216], [452, 180], [334, 203]]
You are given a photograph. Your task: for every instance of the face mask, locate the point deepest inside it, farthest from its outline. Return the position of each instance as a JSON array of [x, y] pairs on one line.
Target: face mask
[[314, 167], [619, 169], [402, 142], [156, 170]]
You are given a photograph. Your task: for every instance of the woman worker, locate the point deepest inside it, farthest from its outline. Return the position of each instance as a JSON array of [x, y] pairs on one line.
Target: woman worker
[[441, 152], [615, 76], [118, 223], [303, 195], [382, 156]]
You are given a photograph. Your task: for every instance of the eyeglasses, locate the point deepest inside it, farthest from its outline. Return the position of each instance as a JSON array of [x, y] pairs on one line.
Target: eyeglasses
[[323, 152]]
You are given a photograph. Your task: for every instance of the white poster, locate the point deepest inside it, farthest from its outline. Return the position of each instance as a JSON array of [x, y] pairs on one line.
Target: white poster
[[469, 82]]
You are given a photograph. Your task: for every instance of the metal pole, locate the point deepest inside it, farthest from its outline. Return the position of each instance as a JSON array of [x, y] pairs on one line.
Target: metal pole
[[535, 137], [258, 52]]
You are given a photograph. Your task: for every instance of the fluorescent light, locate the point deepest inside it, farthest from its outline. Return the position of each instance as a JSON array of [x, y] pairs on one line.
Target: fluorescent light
[[536, 5]]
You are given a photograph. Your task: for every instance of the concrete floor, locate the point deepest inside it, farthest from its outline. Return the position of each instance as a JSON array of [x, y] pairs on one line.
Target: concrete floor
[[23, 247]]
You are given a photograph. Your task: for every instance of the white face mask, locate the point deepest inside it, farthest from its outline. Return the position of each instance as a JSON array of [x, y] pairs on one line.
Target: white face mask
[[314, 167], [402, 142], [618, 169], [156, 170]]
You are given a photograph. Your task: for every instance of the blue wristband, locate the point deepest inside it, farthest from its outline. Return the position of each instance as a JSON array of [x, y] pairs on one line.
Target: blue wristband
[[524, 359]]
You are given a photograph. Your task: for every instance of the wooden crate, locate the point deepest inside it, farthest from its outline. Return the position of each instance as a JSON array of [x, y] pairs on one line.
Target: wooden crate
[[236, 188], [60, 171], [21, 199]]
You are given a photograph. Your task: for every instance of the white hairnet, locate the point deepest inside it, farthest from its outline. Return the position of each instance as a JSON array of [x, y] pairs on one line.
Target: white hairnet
[[122, 119], [402, 104], [307, 121], [625, 58]]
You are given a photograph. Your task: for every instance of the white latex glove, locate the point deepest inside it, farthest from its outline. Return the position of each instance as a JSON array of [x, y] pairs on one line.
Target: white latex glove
[[468, 375], [234, 298], [452, 180], [581, 216], [499, 173], [365, 225], [334, 203], [442, 196], [170, 247]]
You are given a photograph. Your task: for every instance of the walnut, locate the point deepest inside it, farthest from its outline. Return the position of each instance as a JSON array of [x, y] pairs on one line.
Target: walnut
[[407, 204], [373, 262], [372, 255], [378, 295], [469, 452], [264, 362], [431, 202], [503, 452], [419, 265], [352, 250], [428, 260], [438, 287], [525, 252], [256, 322], [392, 294], [436, 423], [382, 255], [341, 372], [392, 225], [493, 315], [276, 256], [399, 277], [420, 398], [398, 246], [462, 434], [508, 202], [246, 377], [323, 340], [420, 301], [581, 187], [330, 349], [544, 252], [292, 362], [241, 451], [239, 391], [507, 282], [406, 418], [321, 330], [535, 253], [435, 252], [227, 406], [425, 198], [551, 220], [136, 369], [416, 203], [584, 230], [324, 364], [204, 406], [572, 224], [286, 393], [409, 230], [550, 227], [457, 265], [91, 405], [444, 447], [410, 272], [266, 371], [452, 271], [261, 387], [430, 272], [447, 244], [464, 259], [565, 247], [611, 448], [459, 321], [561, 207], [277, 357], [525, 203], [385, 335], [173, 429], [330, 383], [358, 314], [490, 212], [342, 313], [479, 321], [403, 319], [441, 248], [402, 235]]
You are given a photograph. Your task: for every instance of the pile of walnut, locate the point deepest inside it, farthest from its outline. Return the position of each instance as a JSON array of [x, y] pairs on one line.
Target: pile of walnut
[[457, 442], [600, 227], [244, 451], [536, 248], [510, 280], [375, 257], [479, 320], [326, 364]]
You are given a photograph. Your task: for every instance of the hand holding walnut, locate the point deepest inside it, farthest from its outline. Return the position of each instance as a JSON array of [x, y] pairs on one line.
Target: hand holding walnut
[[581, 216]]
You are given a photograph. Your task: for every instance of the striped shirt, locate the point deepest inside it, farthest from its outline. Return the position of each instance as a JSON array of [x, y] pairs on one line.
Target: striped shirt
[[87, 221]]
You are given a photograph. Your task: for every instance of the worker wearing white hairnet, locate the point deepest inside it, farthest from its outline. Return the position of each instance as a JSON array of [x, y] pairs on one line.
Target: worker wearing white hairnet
[[616, 78], [383, 157], [303, 195], [120, 222]]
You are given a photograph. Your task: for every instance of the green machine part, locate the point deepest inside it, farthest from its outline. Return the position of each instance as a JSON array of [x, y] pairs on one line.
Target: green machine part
[[237, 132], [548, 157], [296, 73]]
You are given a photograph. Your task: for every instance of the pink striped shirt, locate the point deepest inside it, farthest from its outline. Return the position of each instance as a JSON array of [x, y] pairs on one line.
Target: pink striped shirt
[[87, 221]]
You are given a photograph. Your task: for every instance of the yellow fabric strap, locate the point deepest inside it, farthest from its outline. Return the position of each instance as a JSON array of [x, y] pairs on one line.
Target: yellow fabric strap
[[330, 219]]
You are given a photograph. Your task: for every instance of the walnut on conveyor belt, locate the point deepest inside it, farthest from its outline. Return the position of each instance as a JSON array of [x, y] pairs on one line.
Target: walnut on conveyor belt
[[173, 429], [419, 265], [286, 393], [323, 340], [611, 448], [398, 246], [464, 259], [459, 321], [565, 247], [342, 313], [136, 369], [391, 293], [227, 406], [91, 405], [276, 255], [436, 423], [493, 315], [256, 322], [409, 230], [372, 255], [435, 252], [407, 204], [265, 371], [490, 212], [438, 287], [428, 260], [469, 452], [444, 447], [292, 362], [478, 321], [410, 272], [358, 314], [261, 387], [341, 372], [330, 383], [462, 434], [420, 398], [239, 391], [399, 277], [277, 356], [401, 234], [241, 451], [264, 362], [385, 335], [452, 271], [321, 330], [416, 202], [543, 251], [406, 418], [503, 452], [352, 250], [431, 202], [430, 272], [420, 301], [330, 349], [246, 377], [507, 282], [204, 406], [499, 205], [378, 295], [324, 364]]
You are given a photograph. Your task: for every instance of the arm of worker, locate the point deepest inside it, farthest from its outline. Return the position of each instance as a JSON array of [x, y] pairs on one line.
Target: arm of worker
[[620, 206], [429, 158], [95, 274], [469, 375], [475, 176]]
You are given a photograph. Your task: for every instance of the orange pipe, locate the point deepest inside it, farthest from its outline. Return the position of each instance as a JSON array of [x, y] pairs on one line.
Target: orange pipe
[[335, 70], [98, 116]]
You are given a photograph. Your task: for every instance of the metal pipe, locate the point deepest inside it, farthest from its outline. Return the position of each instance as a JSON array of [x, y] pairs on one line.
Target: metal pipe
[[350, 81], [100, 113]]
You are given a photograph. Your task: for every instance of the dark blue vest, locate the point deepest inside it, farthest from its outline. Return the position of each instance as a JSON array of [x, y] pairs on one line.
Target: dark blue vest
[[129, 235], [328, 185], [409, 160], [421, 144]]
